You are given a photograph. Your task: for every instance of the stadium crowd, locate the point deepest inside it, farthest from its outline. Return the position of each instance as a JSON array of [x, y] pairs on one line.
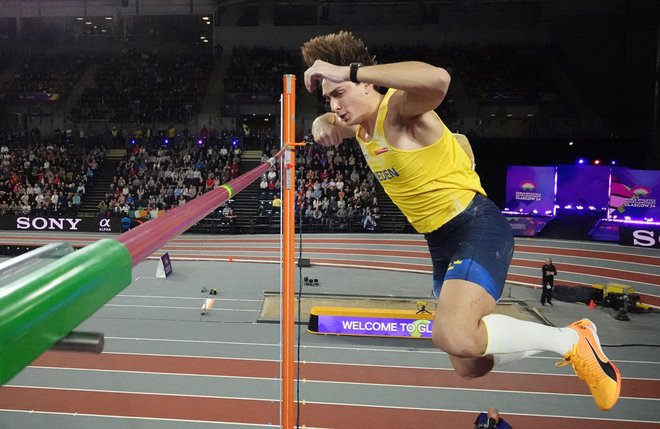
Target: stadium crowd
[[334, 189], [260, 69], [144, 87], [154, 177], [44, 177], [38, 72], [165, 168]]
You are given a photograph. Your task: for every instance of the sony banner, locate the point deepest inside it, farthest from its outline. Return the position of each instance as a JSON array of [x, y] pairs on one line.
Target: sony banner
[[64, 224], [640, 236]]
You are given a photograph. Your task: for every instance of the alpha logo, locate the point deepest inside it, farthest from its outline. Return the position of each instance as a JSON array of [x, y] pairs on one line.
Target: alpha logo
[[41, 223], [104, 225]]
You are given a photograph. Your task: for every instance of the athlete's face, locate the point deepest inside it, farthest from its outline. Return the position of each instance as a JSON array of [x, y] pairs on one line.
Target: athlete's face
[[346, 99]]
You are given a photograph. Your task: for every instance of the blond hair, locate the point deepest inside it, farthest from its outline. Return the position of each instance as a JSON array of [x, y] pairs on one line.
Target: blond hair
[[336, 48]]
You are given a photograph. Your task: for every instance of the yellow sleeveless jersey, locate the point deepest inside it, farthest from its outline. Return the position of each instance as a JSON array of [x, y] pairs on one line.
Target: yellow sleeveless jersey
[[430, 185]]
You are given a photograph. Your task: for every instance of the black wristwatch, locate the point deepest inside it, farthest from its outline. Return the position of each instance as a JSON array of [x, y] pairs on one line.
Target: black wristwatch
[[354, 68]]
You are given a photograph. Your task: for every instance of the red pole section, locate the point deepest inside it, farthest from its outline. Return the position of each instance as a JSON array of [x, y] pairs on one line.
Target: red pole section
[[151, 236]]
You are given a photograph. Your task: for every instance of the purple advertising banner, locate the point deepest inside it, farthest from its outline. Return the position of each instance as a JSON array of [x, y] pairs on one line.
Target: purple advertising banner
[[375, 326], [530, 190], [583, 185], [634, 194]]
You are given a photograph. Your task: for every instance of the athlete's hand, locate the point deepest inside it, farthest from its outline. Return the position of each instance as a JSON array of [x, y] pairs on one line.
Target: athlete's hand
[[321, 70], [325, 130]]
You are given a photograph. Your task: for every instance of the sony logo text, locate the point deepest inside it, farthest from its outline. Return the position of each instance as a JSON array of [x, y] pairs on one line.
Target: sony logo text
[[646, 238], [40, 223]]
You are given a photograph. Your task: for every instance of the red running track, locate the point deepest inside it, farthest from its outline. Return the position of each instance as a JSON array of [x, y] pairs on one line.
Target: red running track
[[265, 412]]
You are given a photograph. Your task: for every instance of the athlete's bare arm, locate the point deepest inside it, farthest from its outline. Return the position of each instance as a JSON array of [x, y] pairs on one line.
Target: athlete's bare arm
[[329, 130], [422, 87]]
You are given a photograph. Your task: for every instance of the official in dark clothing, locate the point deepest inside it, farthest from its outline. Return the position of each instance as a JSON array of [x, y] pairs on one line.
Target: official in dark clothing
[[548, 281]]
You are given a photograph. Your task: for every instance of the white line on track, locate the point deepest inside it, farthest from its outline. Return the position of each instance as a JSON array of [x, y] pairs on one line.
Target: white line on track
[[180, 308], [468, 389], [135, 393], [384, 366], [593, 258], [349, 404], [160, 373], [479, 411], [186, 297], [207, 422], [185, 374], [304, 347]]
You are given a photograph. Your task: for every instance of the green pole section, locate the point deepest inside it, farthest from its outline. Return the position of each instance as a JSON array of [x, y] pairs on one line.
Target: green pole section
[[45, 305]]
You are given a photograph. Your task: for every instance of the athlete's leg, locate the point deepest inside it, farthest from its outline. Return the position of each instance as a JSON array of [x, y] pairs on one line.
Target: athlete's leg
[[577, 343], [465, 329], [470, 258], [471, 367], [481, 246], [458, 329]]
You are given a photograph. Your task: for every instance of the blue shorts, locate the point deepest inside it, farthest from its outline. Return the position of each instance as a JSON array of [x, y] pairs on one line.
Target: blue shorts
[[476, 245]]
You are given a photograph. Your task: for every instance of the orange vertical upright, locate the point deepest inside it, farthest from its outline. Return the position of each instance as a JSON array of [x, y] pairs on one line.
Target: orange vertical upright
[[288, 181]]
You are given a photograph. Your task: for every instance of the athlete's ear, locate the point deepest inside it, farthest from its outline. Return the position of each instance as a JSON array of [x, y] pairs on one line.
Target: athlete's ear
[[368, 87]]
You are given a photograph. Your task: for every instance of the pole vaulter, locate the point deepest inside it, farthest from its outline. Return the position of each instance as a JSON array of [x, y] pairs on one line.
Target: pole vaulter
[[44, 305]]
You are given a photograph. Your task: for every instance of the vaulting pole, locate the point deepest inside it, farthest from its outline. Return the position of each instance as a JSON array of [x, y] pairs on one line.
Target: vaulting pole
[[150, 236], [41, 307]]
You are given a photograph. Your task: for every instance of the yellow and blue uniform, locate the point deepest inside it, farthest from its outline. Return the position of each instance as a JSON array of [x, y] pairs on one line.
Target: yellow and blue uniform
[[430, 185], [441, 196]]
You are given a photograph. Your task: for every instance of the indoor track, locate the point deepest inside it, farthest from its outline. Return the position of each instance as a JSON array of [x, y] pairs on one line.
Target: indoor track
[[167, 366]]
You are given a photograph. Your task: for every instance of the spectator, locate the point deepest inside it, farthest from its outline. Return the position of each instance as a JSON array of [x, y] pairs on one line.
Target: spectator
[[102, 208], [126, 223], [368, 223], [75, 201], [548, 273], [228, 214]]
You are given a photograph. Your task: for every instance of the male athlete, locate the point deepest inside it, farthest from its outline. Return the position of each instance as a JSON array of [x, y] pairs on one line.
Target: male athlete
[[430, 178]]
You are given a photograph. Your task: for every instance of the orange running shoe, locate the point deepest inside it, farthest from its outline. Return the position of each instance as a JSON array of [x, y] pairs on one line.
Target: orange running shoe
[[591, 365]]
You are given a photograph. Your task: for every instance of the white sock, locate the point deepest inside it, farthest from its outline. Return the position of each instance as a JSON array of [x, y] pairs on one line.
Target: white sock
[[506, 358], [509, 335]]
